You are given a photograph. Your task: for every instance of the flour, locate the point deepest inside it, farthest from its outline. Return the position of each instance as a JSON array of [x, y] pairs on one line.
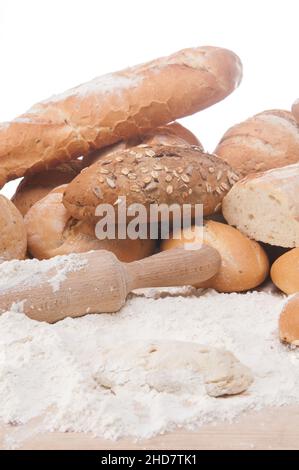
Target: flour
[[31, 272], [50, 373]]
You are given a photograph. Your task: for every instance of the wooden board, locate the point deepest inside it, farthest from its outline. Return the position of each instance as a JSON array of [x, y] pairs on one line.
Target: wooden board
[[275, 428]]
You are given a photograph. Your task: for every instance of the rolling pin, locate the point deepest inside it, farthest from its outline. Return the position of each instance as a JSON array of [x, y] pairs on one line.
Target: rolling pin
[[101, 283]]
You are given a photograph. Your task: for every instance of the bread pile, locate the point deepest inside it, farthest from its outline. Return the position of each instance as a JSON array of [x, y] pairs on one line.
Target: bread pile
[[117, 136]]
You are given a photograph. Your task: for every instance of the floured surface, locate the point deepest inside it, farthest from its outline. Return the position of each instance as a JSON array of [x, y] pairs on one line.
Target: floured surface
[[52, 370]]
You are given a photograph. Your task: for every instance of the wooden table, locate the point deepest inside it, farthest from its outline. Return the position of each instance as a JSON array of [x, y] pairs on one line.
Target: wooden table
[[275, 428]]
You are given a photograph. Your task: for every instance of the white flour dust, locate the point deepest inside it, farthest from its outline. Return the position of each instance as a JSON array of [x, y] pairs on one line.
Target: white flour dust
[[50, 373]]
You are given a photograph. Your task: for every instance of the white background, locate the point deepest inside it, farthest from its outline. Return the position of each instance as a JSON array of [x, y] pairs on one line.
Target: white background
[[48, 46]]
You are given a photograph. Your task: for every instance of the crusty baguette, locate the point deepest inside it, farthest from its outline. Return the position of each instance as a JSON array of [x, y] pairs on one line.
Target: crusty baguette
[[267, 140], [34, 187], [148, 175], [295, 110], [116, 107], [52, 232], [244, 263], [285, 271], [265, 206]]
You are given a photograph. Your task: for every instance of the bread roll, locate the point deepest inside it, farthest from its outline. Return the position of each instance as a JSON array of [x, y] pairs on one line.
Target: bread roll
[[295, 110], [116, 107], [13, 239], [150, 174], [244, 263], [52, 231], [265, 141], [289, 321], [265, 206], [34, 187], [285, 272]]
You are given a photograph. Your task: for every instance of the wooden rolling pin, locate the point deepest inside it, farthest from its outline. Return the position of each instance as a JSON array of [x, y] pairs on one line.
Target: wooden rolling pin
[[101, 283]]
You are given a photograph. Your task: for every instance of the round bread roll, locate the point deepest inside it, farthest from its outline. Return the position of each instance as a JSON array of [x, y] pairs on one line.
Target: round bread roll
[[285, 272], [295, 110], [52, 231], [34, 187], [13, 238], [267, 140], [151, 174], [289, 321], [244, 263]]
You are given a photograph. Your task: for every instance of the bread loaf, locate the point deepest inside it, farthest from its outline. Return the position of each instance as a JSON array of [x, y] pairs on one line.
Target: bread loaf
[[295, 110], [52, 232], [116, 107], [244, 264], [151, 174], [13, 239], [289, 321], [265, 206], [34, 187], [265, 141], [285, 272]]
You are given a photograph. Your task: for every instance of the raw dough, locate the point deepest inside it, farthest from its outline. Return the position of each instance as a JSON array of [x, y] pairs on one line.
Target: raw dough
[[173, 367]]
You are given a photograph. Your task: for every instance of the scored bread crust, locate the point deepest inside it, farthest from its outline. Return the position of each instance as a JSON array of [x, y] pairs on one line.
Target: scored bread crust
[[265, 206], [267, 140], [151, 175], [116, 107], [52, 232], [295, 110]]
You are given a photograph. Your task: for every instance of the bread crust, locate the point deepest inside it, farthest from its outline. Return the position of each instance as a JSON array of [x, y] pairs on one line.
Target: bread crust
[[116, 107], [289, 321], [52, 232], [13, 238], [285, 272], [295, 110], [244, 262], [267, 140], [151, 175], [265, 206]]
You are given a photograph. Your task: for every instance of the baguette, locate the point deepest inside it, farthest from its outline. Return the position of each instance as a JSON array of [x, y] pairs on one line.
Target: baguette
[[116, 107], [265, 141], [53, 232], [265, 206], [151, 174], [295, 110], [244, 263]]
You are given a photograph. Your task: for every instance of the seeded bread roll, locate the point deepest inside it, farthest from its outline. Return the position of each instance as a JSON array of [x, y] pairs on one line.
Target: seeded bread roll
[[52, 232], [116, 107], [34, 187], [295, 110], [265, 206], [289, 321], [151, 174], [285, 272], [244, 264], [13, 239], [265, 141]]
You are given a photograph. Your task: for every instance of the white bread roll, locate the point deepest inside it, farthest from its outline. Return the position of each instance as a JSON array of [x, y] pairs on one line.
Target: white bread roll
[[265, 206], [52, 232], [267, 140], [285, 272], [244, 263], [295, 110], [13, 238], [289, 322], [116, 107]]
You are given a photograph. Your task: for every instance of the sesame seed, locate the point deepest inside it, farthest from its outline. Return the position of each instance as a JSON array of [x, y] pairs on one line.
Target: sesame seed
[[110, 183], [150, 153], [211, 169], [151, 187], [147, 179], [179, 170], [155, 175], [168, 178], [135, 188], [104, 171], [119, 159], [185, 178], [125, 171], [132, 176], [144, 170], [219, 175], [169, 189], [158, 167]]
